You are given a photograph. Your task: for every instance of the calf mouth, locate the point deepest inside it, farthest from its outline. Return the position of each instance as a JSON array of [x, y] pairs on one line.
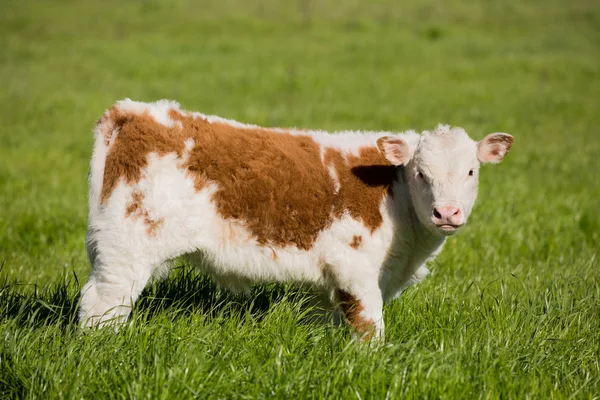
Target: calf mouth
[[448, 229]]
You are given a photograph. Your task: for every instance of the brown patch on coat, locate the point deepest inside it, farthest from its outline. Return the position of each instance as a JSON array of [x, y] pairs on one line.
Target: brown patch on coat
[[135, 210], [364, 181], [274, 182], [138, 136], [356, 242], [134, 207], [352, 309]]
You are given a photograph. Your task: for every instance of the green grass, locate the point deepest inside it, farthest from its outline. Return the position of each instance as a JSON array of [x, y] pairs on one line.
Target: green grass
[[513, 307]]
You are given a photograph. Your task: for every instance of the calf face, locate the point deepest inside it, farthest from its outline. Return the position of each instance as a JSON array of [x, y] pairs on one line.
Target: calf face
[[442, 172]]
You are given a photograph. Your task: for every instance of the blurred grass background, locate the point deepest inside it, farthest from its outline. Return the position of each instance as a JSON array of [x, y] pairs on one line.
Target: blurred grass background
[[512, 308]]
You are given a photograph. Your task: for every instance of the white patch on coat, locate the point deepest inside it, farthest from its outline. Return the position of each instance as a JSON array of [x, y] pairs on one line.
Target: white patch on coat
[[334, 177]]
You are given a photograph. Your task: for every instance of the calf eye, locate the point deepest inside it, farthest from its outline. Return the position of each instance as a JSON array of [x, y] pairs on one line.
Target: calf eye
[[471, 173], [420, 175]]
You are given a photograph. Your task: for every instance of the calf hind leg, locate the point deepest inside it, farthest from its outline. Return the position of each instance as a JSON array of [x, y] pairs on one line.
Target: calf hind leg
[[113, 288]]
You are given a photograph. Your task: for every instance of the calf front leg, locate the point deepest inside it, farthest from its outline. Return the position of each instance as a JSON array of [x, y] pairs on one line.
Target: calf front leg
[[395, 284], [362, 308]]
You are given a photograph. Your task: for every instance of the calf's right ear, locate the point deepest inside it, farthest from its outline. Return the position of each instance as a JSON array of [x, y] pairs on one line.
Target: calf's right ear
[[395, 149]]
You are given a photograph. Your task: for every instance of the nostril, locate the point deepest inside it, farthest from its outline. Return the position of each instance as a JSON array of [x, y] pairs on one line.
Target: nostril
[[436, 213], [457, 211]]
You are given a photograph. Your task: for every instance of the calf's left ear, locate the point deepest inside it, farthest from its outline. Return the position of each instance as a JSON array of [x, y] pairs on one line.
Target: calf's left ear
[[493, 147], [395, 149]]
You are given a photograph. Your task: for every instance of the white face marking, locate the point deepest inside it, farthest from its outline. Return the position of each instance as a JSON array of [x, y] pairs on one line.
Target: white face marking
[[443, 179]]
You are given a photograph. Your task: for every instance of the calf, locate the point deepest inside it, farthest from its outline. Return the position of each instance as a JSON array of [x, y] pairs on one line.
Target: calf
[[356, 213]]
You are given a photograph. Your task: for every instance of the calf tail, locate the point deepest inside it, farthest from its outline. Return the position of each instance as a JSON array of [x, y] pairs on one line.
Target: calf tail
[[105, 132]]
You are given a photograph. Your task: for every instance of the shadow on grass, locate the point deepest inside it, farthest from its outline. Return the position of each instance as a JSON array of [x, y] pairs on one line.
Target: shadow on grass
[[186, 291], [189, 291], [27, 305]]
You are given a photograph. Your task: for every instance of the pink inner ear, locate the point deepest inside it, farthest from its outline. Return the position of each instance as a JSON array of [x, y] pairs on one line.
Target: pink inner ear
[[491, 153], [496, 150], [395, 152]]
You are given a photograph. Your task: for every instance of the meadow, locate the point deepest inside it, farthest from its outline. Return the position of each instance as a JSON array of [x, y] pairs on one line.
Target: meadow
[[512, 309]]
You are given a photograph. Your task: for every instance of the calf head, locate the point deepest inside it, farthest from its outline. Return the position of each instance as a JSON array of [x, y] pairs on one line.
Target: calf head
[[441, 169]]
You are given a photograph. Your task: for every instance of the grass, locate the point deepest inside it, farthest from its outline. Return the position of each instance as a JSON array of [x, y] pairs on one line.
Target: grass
[[513, 307]]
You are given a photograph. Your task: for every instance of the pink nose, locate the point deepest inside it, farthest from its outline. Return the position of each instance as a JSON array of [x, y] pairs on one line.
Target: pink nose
[[447, 215]]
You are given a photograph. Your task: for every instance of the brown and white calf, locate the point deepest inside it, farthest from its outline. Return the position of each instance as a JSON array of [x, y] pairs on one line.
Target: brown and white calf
[[356, 213]]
